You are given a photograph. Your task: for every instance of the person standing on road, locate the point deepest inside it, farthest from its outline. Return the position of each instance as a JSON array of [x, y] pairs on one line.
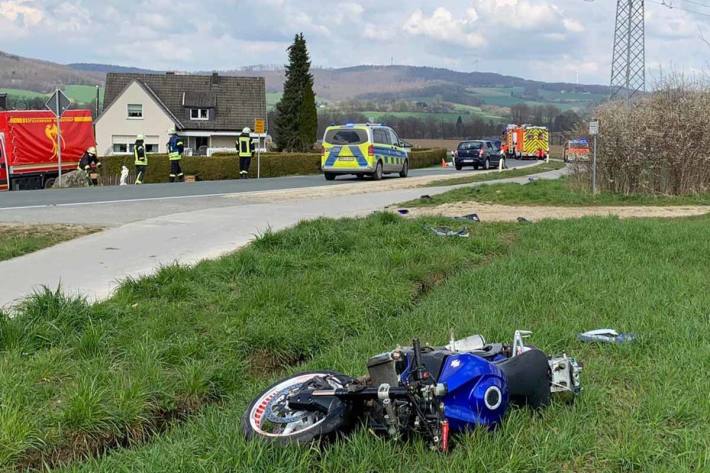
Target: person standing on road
[[141, 159], [245, 148], [503, 155], [175, 149], [89, 163]]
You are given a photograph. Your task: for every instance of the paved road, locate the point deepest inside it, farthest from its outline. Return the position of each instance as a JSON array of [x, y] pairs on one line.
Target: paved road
[[93, 266], [25, 199]]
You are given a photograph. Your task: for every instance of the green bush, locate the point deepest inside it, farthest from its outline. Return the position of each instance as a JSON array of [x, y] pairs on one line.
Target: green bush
[[226, 166]]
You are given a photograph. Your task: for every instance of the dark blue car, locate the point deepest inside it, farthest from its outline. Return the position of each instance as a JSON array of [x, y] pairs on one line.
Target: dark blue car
[[476, 153]]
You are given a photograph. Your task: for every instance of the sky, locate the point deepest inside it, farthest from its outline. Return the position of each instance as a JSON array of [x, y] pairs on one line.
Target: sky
[[551, 40]]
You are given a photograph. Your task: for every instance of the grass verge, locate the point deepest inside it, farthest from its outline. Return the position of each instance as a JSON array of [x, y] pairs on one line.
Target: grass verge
[[18, 240], [79, 380], [645, 405], [558, 192], [527, 171]]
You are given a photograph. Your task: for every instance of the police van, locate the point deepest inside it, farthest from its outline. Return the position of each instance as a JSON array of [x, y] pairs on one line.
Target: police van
[[363, 150]]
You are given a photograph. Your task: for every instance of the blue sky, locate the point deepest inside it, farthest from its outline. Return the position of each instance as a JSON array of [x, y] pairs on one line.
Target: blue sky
[[539, 39]]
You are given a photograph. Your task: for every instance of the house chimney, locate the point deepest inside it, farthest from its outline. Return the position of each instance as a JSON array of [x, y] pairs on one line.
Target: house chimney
[[215, 78], [170, 73], [3, 101]]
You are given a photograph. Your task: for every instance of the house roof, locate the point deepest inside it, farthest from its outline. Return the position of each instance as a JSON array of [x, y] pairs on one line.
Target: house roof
[[234, 102]]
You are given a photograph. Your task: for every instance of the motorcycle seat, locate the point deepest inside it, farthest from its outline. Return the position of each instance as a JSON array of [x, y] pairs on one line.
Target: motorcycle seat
[[529, 379]]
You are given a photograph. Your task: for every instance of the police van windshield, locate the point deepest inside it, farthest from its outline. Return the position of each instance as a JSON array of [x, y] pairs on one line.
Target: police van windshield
[[346, 136], [471, 145]]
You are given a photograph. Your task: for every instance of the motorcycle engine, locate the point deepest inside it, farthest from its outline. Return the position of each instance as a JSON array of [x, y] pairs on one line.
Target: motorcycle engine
[[383, 369]]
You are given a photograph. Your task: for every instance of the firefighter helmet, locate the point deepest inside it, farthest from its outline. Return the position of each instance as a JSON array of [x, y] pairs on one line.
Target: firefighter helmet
[[246, 131], [140, 138], [92, 150]]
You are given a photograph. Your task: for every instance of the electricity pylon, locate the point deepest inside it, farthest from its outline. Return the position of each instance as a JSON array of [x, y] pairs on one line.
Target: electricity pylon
[[628, 69]]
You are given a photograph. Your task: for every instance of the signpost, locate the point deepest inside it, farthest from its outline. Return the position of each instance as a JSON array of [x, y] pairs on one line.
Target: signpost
[[594, 131], [260, 130], [58, 103]]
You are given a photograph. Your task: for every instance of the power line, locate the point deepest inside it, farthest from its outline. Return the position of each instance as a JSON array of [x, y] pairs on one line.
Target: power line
[[670, 6]]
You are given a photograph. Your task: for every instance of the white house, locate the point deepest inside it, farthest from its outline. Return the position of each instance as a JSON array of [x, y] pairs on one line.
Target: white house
[[208, 111]]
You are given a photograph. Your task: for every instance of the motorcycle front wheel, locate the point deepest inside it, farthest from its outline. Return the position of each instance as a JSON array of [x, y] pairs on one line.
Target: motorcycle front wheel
[[270, 418]]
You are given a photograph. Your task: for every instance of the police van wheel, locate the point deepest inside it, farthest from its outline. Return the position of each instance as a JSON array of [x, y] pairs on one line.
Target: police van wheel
[[405, 170], [377, 175], [329, 176]]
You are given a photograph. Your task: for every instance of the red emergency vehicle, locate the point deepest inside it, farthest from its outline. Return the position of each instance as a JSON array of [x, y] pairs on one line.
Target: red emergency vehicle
[[29, 146]]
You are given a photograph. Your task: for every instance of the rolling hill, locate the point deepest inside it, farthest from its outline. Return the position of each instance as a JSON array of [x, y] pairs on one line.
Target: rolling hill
[[461, 91]]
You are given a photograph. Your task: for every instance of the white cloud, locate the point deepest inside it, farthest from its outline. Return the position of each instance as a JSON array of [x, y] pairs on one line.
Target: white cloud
[[540, 39], [444, 26]]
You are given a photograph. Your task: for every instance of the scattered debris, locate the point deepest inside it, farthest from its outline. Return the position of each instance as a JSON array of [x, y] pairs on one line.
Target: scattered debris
[[448, 232], [532, 179], [605, 335], [403, 211], [426, 197], [524, 220], [470, 218]]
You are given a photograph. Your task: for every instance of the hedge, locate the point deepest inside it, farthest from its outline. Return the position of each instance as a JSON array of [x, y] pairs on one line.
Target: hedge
[[226, 166]]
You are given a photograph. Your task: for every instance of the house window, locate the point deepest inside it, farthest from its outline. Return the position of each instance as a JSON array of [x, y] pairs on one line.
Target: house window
[[135, 111], [126, 144], [199, 114]]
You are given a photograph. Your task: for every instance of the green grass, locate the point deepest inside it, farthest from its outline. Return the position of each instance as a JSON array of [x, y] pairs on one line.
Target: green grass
[[514, 172], [449, 117], [77, 93], [560, 192], [22, 94], [273, 98], [83, 93], [316, 295], [18, 240]]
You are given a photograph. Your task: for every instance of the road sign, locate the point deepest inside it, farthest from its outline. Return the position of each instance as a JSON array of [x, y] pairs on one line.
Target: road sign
[[58, 103], [259, 126], [594, 127]]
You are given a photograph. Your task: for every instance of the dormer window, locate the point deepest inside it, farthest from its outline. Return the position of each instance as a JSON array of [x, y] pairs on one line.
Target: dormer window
[[198, 114]]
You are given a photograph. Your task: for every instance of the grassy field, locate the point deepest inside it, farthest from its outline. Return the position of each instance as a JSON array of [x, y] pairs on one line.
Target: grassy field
[[18, 240], [559, 192], [158, 376], [443, 117], [470, 178], [76, 93]]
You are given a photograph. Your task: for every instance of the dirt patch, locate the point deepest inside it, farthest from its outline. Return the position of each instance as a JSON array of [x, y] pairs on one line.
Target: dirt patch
[[66, 231], [354, 188], [510, 213], [263, 362]]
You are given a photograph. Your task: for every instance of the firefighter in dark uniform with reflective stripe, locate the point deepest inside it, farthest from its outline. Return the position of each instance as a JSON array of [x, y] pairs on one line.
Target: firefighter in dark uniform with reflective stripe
[[89, 163], [245, 148], [141, 159], [175, 149]]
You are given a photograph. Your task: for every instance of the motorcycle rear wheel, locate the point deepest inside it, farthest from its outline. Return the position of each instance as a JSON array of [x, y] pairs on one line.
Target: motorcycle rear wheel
[[269, 417]]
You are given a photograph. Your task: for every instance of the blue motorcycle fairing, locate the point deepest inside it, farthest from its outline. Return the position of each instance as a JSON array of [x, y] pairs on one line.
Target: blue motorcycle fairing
[[468, 378]]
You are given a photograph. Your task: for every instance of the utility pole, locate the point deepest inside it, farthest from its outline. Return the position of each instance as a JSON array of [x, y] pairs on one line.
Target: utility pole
[[628, 69]]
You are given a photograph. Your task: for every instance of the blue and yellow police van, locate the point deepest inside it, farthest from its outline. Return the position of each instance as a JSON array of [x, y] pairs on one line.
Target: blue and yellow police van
[[363, 150]]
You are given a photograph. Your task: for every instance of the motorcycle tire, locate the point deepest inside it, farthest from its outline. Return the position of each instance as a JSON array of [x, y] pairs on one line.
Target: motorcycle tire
[[338, 420]]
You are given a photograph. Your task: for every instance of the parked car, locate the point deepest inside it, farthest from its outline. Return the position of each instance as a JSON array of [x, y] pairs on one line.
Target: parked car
[[476, 153]]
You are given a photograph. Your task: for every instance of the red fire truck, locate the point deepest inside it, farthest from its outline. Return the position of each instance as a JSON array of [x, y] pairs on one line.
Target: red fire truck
[[29, 146]]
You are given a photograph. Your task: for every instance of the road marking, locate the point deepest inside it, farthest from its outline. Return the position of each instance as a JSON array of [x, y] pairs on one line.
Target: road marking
[[120, 201]]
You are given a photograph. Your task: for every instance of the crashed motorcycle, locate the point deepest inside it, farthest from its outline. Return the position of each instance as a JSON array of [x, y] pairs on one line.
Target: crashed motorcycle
[[419, 390]]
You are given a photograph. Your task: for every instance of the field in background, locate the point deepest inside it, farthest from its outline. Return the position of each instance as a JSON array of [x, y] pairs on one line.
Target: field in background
[[83, 94]]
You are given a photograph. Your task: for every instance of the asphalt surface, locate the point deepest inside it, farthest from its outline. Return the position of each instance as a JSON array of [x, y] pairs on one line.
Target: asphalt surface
[[70, 197]]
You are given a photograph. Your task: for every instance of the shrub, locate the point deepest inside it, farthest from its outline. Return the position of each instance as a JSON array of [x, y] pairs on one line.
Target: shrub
[[659, 144], [226, 166]]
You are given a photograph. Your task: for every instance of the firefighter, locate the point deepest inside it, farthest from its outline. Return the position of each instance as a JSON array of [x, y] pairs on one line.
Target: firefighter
[[141, 159], [175, 149], [245, 148], [89, 163]]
